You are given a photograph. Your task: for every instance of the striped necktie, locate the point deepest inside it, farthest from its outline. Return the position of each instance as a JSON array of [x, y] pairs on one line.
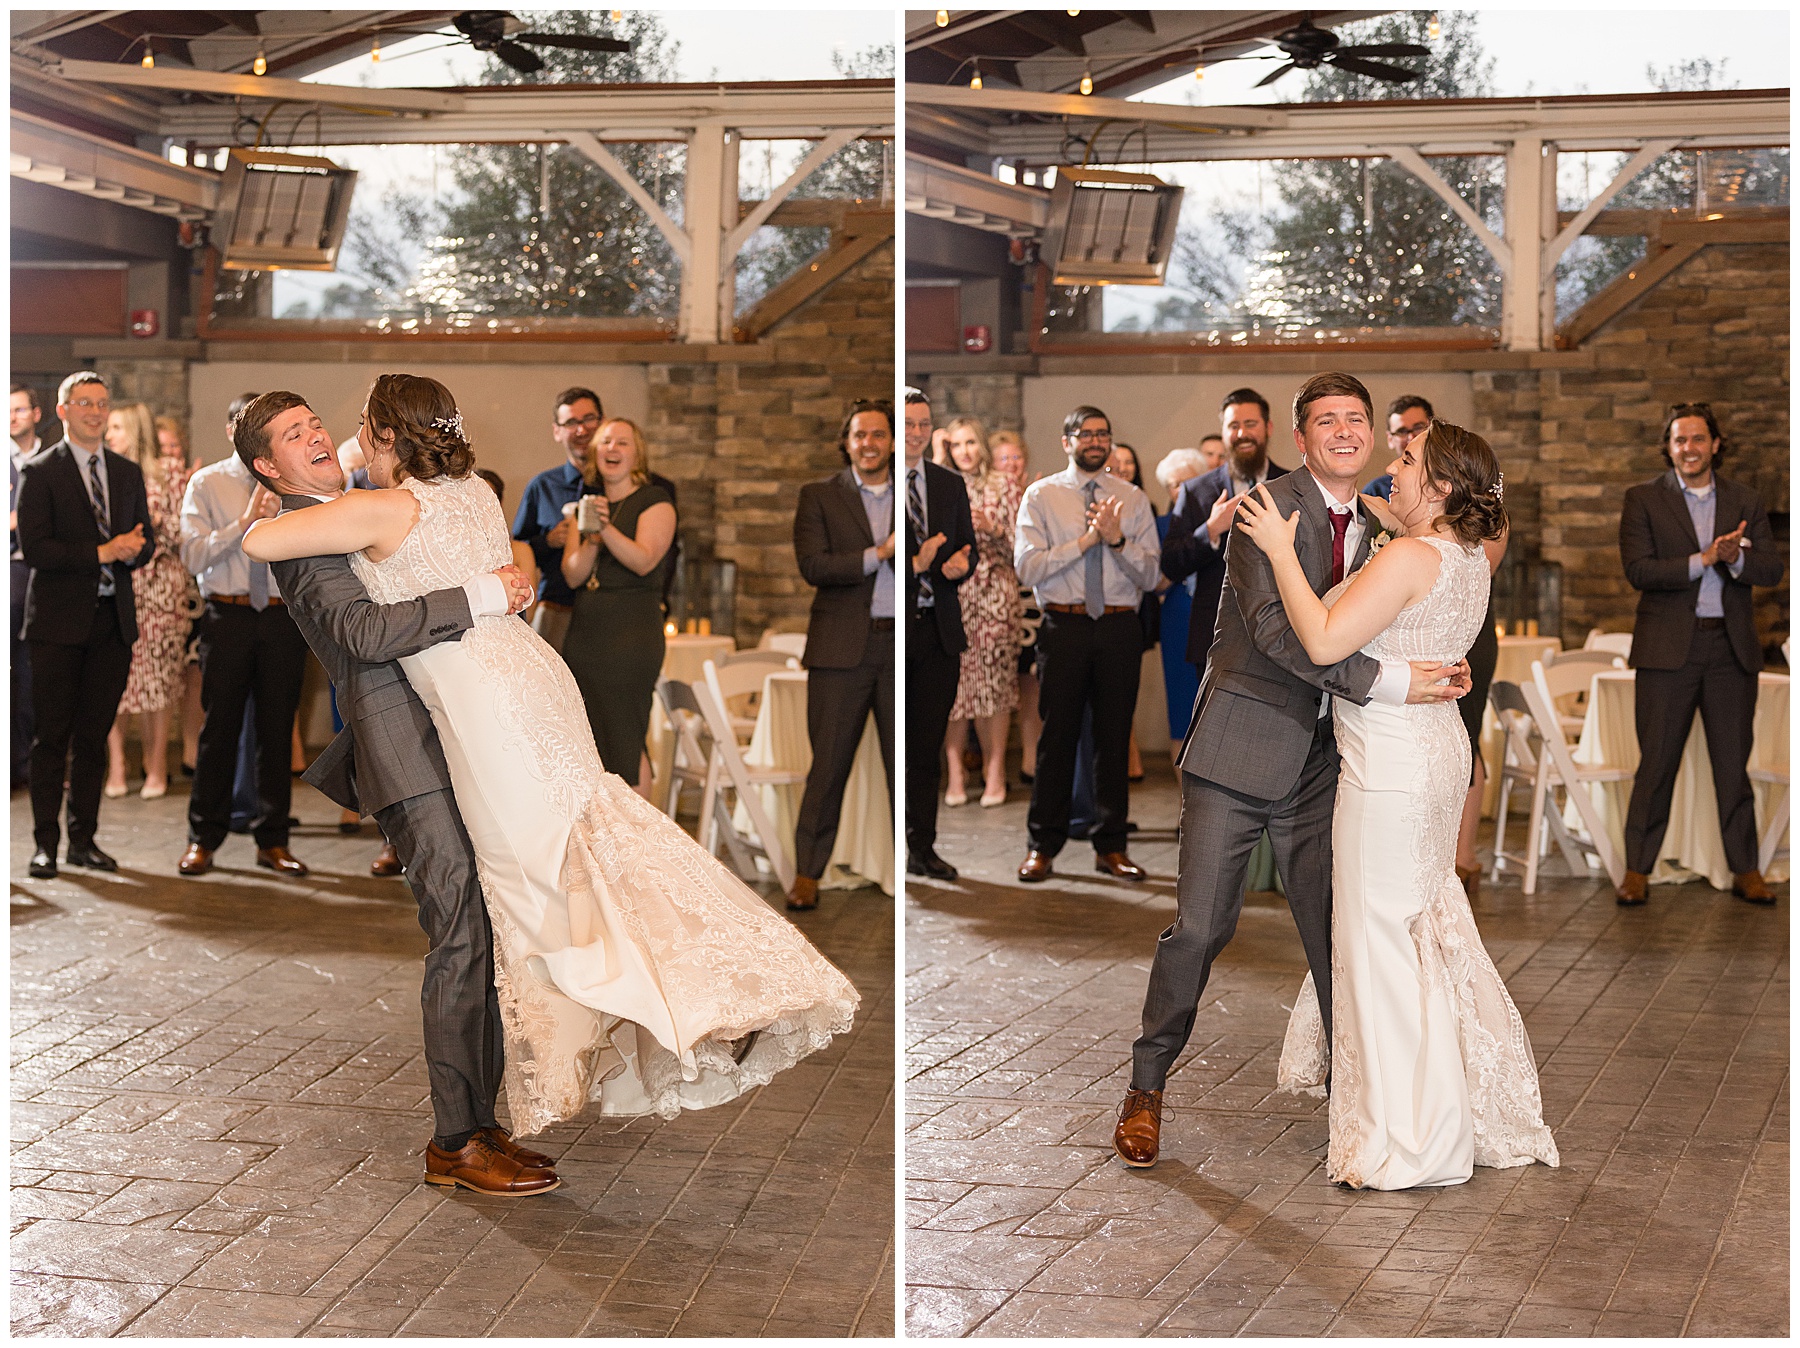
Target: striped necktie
[[915, 516], [97, 499]]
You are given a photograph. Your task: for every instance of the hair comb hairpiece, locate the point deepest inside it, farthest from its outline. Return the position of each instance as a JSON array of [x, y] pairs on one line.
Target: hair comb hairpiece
[[453, 424], [1499, 492]]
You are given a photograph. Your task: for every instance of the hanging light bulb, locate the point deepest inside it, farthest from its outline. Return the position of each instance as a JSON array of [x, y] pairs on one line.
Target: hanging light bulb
[[375, 49], [1072, 12], [1433, 28], [1199, 71], [260, 65], [617, 14], [149, 61], [975, 81], [1087, 82], [943, 18]]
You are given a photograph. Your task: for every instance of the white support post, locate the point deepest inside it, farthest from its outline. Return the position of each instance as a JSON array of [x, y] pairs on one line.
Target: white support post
[[1559, 243], [728, 207], [1520, 303], [1414, 163], [1547, 215], [705, 219], [836, 141], [591, 146]]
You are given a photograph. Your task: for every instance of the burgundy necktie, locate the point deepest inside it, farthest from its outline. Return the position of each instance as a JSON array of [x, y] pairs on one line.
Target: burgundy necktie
[[1340, 523]]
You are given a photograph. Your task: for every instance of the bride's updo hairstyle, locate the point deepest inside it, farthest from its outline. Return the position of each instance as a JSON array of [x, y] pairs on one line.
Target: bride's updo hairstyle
[[428, 431], [1474, 509]]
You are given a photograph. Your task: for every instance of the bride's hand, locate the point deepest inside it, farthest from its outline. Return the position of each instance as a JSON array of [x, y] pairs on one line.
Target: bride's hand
[[1383, 512], [1258, 517]]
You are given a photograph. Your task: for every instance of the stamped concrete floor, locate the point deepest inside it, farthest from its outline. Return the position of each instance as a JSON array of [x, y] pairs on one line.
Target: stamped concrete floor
[[219, 1107], [1661, 1034]]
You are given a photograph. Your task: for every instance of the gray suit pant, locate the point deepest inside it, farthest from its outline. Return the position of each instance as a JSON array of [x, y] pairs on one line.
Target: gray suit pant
[[1219, 829], [464, 1050]]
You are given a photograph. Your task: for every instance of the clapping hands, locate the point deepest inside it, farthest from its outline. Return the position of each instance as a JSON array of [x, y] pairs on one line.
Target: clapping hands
[[1103, 519]]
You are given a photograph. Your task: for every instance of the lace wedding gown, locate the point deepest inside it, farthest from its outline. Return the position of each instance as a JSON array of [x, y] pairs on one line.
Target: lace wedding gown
[[1431, 1072], [627, 958]]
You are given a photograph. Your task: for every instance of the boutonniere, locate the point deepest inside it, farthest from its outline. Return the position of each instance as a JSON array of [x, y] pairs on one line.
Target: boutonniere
[[1381, 540]]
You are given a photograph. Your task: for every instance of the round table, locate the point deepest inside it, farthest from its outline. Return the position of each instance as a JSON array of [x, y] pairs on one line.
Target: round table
[[864, 852], [1692, 846]]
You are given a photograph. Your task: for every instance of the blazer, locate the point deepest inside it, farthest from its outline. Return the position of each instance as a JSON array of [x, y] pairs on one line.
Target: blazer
[[1258, 708], [1185, 553], [946, 513], [388, 750], [1656, 538], [831, 530], [60, 539]]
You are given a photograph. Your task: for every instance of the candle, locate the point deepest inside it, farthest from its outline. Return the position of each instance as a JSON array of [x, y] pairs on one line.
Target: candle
[[1531, 627], [1500, 628], [691, 627], [706, 627], [668, 629]]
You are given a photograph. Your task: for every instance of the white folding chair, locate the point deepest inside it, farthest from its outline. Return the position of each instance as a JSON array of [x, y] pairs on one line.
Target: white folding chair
[[739, 690], [1522, 764], [767, 657], [689, 762], [1619, 643], [1775, 777], [790, 643], [1569, 678], [730, 772], [1557, 767]]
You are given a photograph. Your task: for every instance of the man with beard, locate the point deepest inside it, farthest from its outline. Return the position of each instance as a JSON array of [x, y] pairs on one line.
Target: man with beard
[[1200, 520], [1086, 544]]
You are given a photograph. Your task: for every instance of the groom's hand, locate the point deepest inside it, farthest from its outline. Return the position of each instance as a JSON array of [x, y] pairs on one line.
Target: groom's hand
[[1434, 682], [518, 589]]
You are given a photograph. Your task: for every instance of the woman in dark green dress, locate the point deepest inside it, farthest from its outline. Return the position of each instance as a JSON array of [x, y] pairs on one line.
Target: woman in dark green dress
[[615, 643]]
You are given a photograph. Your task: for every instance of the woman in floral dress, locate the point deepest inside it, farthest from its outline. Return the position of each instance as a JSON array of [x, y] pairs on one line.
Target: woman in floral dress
[[163, 613], [989, 687]]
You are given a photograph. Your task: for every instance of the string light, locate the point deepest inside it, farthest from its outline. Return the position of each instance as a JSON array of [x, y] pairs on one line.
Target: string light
[[943, 18], [260, 65], [975, 81], [1072, 12], [1433, 28], [375, 49], [149, 61], [617, 14], [1087, 82], [1199, 71]]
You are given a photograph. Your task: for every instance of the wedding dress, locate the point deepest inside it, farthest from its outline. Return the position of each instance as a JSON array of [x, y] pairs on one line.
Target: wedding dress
[[630, 963], [1431, 1072]]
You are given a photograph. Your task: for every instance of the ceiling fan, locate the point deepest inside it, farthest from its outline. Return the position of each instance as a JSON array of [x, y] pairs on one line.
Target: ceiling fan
[[1307, 47], [496, 31]]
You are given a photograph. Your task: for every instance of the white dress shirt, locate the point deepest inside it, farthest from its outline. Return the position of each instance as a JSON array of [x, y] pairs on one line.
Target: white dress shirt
[[1047, 550]]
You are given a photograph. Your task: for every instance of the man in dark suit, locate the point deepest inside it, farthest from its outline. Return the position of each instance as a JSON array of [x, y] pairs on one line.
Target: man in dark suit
[[1200, 520], [1260, 753], [844, 542], [387, 761], [940, 541], [1694, 544], [84, 524]]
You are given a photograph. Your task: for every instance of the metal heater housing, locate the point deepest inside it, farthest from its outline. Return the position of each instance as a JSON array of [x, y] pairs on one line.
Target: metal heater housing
[[281, 212], [1110, 228]]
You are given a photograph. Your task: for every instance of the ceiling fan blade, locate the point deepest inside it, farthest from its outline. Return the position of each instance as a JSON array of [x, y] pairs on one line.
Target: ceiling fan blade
[[1385, 49], [1374, 70], [574, 41], [1274, 75], [522, 59]]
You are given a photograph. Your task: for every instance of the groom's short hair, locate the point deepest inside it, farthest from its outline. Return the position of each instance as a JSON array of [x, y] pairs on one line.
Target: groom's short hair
[[250, 434], [1331, 384]]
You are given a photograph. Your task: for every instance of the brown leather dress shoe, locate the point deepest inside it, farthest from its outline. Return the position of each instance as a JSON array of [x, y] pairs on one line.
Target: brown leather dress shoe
[[525, 1156], [804, 896], [1750, 886], [1634, 889], [1139, 1132], [1119, 866], [483, 1167], [197, 860], [281, 861], [1035, 868], [387, 862]]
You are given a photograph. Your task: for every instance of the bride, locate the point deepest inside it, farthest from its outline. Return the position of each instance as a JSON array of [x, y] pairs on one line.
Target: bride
[[633, 969], [1431, 1072]]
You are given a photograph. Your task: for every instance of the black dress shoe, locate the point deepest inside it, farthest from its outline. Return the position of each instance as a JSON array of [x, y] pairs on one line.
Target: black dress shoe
[[43, 865], [90, 856], [929, 864]]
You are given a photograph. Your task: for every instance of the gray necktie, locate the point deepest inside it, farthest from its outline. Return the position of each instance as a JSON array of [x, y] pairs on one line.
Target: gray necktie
[[1093, 589], [102, 519], [259, 586]]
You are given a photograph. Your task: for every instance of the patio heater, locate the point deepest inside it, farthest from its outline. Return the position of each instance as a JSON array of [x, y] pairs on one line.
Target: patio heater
[[281, 212], [1110, 228]]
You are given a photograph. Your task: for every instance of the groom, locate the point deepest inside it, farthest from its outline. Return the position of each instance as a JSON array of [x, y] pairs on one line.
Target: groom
[[1260, 751], [387, 761]]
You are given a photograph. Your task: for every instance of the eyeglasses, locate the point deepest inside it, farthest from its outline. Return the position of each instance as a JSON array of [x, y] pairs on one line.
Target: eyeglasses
[[1090, 437], [590, 422], [90, 405]]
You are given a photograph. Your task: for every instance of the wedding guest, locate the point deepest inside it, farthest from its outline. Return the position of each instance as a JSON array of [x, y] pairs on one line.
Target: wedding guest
[[1212, 452], [544, 510], [249, 649], [614, 644], [844, 544], [1124, 463], [1200, 520], [160, 592], [940, 448], [1010, 458], [988, 689], [1181, 681], [1694, 543], [26, 414], [1087, 542], [84, 527], [940, 539]]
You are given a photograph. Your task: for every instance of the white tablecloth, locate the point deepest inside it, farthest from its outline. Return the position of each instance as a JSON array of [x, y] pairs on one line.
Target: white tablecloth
[[1692, 846], [684, 658], [865, 842], [1513, 666]]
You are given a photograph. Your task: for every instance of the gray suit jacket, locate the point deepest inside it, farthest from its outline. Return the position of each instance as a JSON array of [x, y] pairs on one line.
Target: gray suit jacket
[[388, 750], [1259, 699]]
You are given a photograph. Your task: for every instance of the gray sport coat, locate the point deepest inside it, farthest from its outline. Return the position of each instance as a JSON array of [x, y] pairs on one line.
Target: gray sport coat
[[1258, 708], [388, 750]]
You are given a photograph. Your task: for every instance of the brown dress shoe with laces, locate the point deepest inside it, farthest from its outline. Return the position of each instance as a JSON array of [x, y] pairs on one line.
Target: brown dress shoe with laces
[[1751, 887], [804, 896], [1118, 865], [483, 1167], [1140, 1128], [281, 861], [1634, 889], [523, 1155], [1035, 868], [387, 862], [197, 860]]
